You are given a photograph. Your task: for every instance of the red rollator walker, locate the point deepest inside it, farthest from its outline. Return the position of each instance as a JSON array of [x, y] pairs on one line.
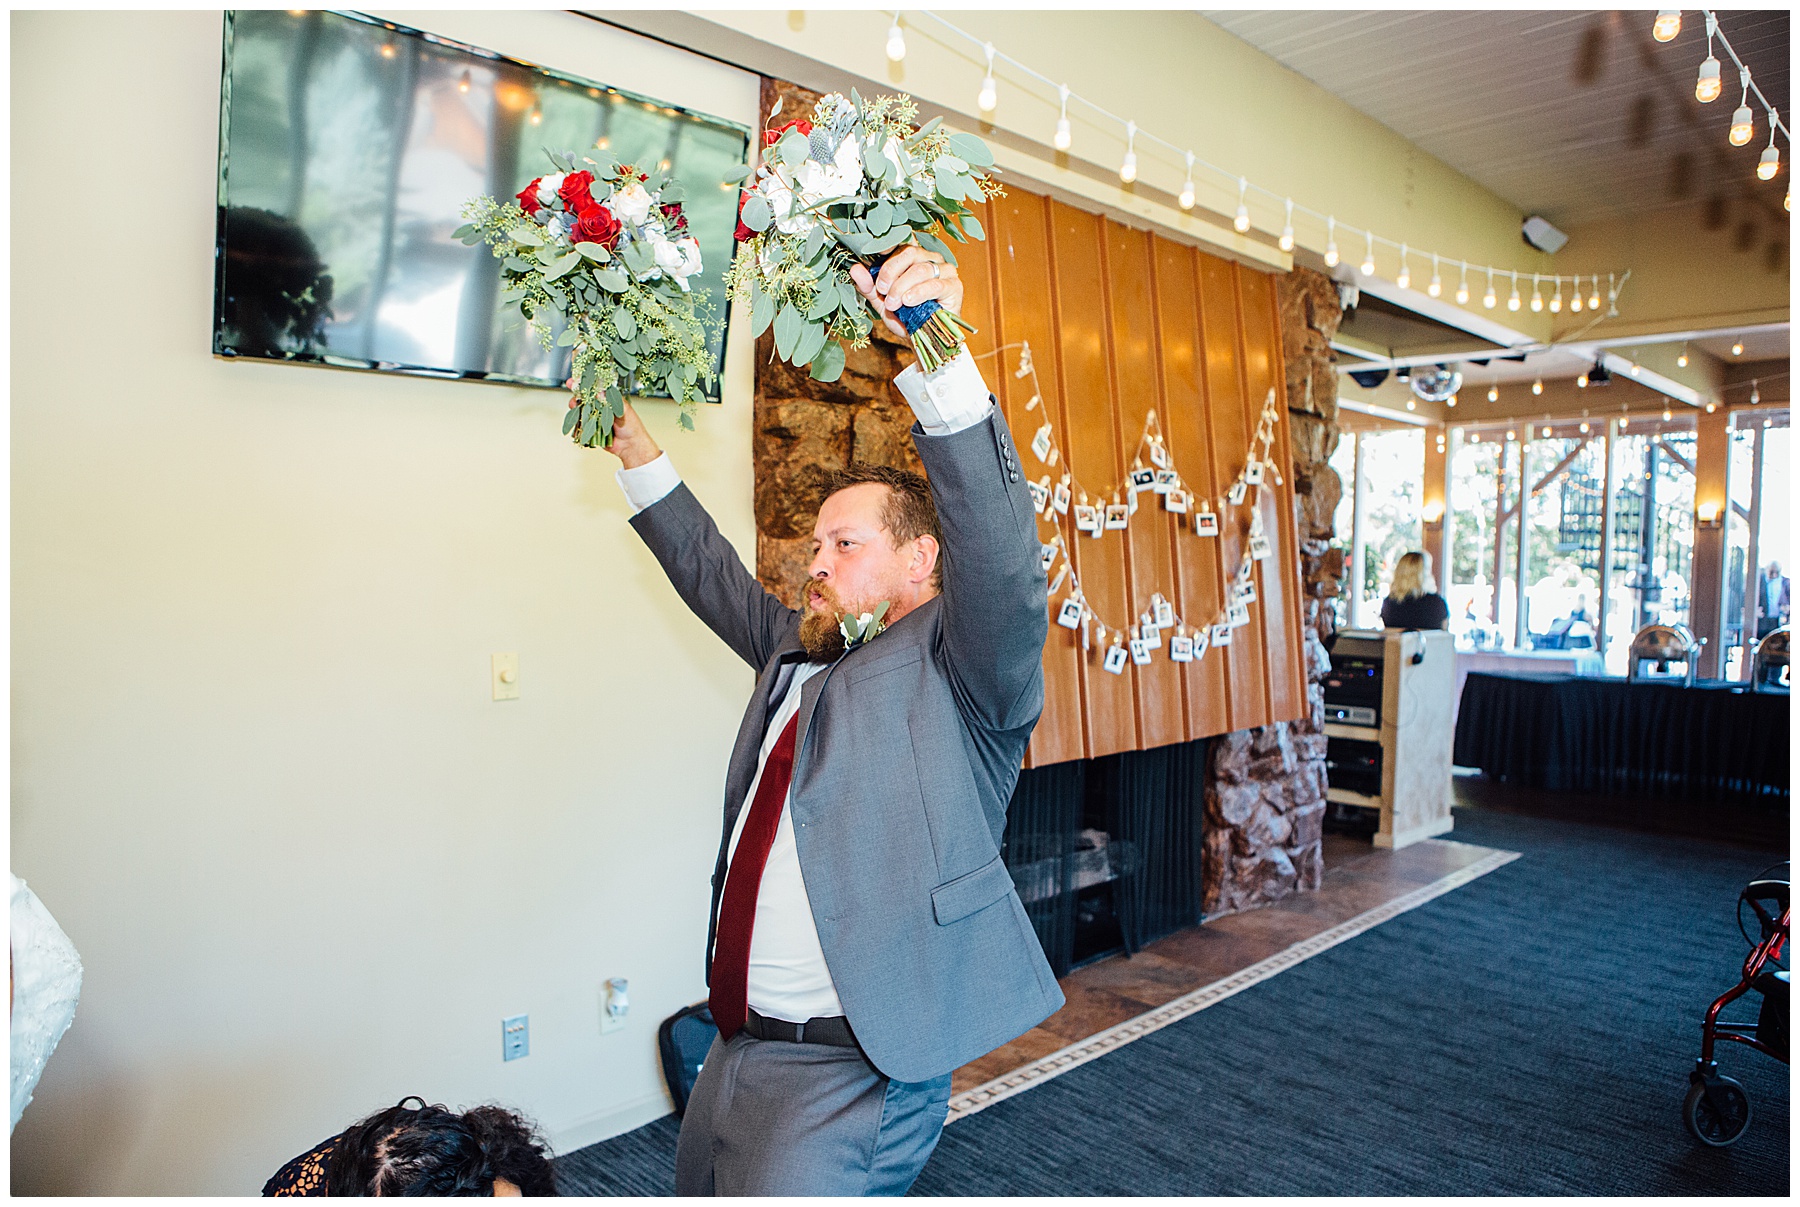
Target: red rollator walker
[[1717, 1110]]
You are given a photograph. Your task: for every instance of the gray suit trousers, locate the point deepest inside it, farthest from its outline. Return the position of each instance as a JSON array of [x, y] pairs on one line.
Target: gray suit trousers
[[774, 1118]]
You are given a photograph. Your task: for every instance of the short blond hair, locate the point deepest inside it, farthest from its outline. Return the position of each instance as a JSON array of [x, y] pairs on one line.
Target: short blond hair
[[1412, 576]]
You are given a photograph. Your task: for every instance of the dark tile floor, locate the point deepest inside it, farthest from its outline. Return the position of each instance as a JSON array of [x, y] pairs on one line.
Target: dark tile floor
[[1358, 877]]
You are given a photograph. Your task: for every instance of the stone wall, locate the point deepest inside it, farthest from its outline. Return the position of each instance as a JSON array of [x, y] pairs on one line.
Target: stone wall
[[1265, 791]]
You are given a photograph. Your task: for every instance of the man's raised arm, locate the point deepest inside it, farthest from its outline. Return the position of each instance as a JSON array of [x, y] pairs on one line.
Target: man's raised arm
[[701, 564]]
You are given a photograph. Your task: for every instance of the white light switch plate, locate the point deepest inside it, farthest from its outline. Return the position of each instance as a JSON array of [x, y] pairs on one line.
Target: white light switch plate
[[506, 676]]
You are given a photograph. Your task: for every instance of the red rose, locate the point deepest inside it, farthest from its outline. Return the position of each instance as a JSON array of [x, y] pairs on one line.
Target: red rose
[[528, 200], [596, 225], [673, 216], [742, 232], [574, 191], [771, 137]]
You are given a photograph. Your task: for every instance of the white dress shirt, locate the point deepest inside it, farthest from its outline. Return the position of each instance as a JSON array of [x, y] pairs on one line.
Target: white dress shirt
[[788, 976]]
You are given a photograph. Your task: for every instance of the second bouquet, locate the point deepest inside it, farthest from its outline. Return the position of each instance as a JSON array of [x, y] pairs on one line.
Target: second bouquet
[[851, 185]]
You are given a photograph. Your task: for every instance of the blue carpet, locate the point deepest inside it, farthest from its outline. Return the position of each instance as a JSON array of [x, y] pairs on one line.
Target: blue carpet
[[1529, 1033]]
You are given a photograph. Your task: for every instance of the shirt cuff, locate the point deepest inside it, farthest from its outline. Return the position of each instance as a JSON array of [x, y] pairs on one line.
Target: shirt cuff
[[951, 399], [649, 483]]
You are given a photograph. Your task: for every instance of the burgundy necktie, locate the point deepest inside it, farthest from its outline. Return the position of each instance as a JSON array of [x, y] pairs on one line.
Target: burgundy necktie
[[730, 998]]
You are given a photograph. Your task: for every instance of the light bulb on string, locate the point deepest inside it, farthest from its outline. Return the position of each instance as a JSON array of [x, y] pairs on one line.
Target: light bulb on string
[[1711, 407], [1513, 303], [1436, 286], [989, 96], [1411, 405], [1755, 394], [462, 84], [1594, 295], [1368, 264], [1062, 120], [1743, 124], [1450, 401], [537, 116], [1490, 299], [1707, 85], [1286, 242], [1667, 414], [1737, 348], [1584, 427], [1682, 360], [1581, 382], [1462, 286], [1241, 221], [1575, 297], [1331, 250], [1494, 393], [1537, 386], [1556, 299], [1537, 299], [1128, 168], [1771, 156], [896, 42], [1404, 280], [1546, 431], [1666, 25], [1612, 296]]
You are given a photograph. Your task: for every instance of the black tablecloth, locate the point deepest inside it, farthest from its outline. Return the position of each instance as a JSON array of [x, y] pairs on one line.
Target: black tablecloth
[[1567, 733]]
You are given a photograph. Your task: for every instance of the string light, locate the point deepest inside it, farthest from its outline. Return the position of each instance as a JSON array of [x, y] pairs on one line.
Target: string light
[[1062, 119], [1494, 393], [1462, 286], [1186, 200], [1594, 297], [989, 97], [1546, 432], [1556, 301], [1436, 286], [1513, 302], [537, 116], [1404, 280], [1743, 125], [1490, 299], [1667, 25], [462, 85], [1331, 251], [1682, 360], [1128, 169], [1667, 414], [1581, 382], [1513, 434], [1708, 86], [1711, 407], [1575, 296], [1537, 386], [1241, 221], [1737, 348], [1286, 242], [1450, 401], [1584, 424], [1537, 299], [1755, 395], [1368, 264], [1771, 156], [896, 43]]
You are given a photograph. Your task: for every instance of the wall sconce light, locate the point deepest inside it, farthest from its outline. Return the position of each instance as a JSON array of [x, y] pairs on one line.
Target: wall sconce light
[[1434, 511], [1709, 512]]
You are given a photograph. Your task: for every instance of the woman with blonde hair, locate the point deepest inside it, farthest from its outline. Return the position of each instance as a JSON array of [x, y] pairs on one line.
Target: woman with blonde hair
[[1413, 601]]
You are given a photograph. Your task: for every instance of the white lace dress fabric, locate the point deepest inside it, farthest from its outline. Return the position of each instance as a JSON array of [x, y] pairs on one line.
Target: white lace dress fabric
[[46, 981]]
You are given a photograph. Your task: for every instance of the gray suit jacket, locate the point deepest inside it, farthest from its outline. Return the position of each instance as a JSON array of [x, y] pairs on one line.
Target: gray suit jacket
[[910, 748]]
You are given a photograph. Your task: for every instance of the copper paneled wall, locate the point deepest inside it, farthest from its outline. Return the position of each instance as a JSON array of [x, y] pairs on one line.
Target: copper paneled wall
[[1121, 322]]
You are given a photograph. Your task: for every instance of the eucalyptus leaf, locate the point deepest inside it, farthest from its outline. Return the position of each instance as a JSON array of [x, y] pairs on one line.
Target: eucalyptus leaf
[[756, 213], [972, 227], [849, 296], [931, 242], [586, 384], [623, 323], [673, 191], [594, 252], [571, 419], [561, 267], [788, 327], [511, 295], [736, 173], [626, 358], [828, 365], [823, 305], [875, 164], [812, 338], [529, 236], [612, 280], [686, 421], [889, 241], [972, 149], [925, 131], [567, 338], [762, 312], [546, 256], [792, 149], [464, 231], [949, 163], [588, 427], [815, 242], [617, 397]]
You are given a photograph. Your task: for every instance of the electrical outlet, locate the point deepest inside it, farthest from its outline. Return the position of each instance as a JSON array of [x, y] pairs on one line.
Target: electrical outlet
[[614, 1004], [515, 1037]]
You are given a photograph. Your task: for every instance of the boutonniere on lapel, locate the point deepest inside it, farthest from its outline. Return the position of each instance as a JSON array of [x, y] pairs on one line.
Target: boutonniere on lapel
[[860, 630]]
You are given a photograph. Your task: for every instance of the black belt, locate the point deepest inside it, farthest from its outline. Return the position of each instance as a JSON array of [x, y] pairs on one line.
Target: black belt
[[834, 1030]]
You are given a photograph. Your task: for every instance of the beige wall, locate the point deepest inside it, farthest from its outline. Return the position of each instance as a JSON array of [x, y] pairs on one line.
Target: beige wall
[[256, 774]]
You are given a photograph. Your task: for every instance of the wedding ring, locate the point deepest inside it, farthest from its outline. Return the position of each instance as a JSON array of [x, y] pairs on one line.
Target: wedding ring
[[935, 272]]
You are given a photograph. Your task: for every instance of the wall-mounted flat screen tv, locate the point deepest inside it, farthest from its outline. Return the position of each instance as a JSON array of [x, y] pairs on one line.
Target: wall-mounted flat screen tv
[[347, 149]]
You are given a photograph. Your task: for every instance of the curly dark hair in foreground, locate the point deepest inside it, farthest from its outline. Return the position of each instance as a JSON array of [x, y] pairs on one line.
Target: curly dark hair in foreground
[[430, 1151]]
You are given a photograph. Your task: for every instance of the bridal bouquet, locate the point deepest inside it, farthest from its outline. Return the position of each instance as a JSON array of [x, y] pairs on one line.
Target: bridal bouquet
[[609, 255], [849, 186]]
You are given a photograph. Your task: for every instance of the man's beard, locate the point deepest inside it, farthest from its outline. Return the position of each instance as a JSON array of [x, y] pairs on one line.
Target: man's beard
[[820, 635]]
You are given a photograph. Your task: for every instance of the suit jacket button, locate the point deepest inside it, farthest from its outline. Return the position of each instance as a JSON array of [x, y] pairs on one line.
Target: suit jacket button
[[1014, 475]]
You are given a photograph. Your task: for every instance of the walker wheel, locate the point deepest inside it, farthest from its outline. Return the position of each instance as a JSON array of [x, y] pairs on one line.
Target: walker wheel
[[1717, 1115]]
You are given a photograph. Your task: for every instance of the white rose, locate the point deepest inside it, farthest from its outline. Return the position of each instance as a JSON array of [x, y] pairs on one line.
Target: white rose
[[689, 250], [547, 188], [631, 205], [784, 205], [668, 255], [891, 152], [841, 178]]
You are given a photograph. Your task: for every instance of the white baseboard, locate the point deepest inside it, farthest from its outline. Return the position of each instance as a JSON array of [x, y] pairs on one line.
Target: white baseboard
[[609, 1123]]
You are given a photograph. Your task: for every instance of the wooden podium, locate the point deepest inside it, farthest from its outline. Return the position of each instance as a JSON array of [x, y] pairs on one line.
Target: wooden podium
[[1416, 731]]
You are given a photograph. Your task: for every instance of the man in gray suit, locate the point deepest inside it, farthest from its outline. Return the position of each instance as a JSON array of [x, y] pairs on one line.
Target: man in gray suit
[[866, 939]]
